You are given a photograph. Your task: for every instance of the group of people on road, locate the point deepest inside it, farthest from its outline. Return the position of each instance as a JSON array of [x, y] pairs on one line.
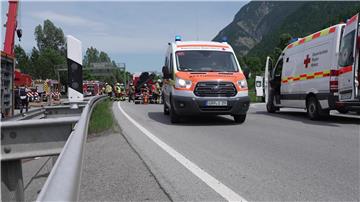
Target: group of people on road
[[117, 91], [149, 92]]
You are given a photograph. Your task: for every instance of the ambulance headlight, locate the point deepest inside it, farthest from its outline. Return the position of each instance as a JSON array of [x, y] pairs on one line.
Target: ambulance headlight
[[243, 83], [182, 83]]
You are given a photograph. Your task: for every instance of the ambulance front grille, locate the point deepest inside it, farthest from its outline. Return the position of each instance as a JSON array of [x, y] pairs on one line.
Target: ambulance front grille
[[215, 89]]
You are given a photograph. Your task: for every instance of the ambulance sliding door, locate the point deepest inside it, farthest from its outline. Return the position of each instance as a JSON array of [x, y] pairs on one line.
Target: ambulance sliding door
[[349, 61]]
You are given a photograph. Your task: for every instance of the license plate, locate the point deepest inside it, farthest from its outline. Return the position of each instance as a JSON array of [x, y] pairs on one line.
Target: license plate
[[346, 96], [216, 103]]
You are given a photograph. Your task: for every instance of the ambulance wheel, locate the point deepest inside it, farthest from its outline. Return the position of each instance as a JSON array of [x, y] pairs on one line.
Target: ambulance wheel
[[166, 109], [270, 107], [313, 108], [174, 118], [240, 118]]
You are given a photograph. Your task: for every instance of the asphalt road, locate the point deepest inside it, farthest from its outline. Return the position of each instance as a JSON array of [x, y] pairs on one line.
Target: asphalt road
[[270, 157]]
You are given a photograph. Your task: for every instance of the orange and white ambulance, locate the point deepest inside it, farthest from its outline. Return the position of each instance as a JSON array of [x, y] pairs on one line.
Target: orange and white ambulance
[[203, 77], [318, 73]]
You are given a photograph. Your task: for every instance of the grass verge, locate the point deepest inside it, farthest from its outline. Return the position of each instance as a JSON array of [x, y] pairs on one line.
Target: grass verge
[[252, 96], [101, 117]]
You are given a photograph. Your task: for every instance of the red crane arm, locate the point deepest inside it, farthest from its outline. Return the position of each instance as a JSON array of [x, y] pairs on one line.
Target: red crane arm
[[11, 25]]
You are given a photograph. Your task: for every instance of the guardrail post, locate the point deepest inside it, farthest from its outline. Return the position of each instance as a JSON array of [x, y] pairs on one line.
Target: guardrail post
[[12, 184]]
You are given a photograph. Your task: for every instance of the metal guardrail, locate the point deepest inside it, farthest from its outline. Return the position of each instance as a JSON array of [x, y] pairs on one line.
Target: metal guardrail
[[25, 116], [48, 131], [63, 183]]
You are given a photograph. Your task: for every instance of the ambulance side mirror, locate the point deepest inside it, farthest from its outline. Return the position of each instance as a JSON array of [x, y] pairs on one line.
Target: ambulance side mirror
[[246, 72], [165, 71]]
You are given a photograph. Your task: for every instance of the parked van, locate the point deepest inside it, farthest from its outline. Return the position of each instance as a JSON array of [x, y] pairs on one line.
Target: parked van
[[202, 78], [313, 71]]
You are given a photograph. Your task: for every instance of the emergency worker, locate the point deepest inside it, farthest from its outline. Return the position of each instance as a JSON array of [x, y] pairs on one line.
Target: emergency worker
[[24, 99]]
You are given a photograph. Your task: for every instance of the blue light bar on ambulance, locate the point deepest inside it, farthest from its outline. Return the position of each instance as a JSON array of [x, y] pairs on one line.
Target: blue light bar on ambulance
[[224, 39], [293, 40], [177, 38]]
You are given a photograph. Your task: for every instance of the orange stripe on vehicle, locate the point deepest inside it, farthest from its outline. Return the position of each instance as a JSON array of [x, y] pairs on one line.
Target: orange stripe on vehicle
[[316, 35], [290, 45], [202, 45], [332, 29], [310, 77], [353, 19], [302, 41], [346, 69]]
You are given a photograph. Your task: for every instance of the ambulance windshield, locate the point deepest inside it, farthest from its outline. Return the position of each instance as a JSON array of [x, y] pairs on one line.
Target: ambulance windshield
[[206, 61]]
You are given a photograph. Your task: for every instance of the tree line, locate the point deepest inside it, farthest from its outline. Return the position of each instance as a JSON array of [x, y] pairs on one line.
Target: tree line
[[49, 55]]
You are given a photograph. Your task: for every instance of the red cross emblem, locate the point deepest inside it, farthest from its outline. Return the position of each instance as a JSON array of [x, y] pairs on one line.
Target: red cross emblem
[[307, 61]]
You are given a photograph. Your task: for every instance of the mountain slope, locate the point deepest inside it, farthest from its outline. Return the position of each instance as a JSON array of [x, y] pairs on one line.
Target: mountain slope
[[254, 21], [307, 19], [257, 26]]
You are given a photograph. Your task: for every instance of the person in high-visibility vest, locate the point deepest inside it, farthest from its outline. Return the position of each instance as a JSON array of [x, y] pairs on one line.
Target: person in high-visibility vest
[[108, 90], [117, 91], [131, 92], [145, 91]]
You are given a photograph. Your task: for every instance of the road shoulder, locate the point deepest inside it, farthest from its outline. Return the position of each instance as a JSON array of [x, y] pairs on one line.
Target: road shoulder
[[113, 171]]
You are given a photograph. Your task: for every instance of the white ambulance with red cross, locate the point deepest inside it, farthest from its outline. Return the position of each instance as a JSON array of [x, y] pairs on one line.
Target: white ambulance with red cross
[[313, 71]]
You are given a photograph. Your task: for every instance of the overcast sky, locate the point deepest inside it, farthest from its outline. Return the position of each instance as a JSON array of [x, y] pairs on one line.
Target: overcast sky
[[136, 33]]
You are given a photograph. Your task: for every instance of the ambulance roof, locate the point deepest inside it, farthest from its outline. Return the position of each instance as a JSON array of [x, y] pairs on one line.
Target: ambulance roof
[[201, 45], [316, 35]]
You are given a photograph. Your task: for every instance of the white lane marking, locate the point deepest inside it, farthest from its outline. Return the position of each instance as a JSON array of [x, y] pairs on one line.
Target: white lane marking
[[212, 182]]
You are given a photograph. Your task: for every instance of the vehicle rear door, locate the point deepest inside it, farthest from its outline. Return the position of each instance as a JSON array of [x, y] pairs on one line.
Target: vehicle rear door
[[267, 75], [349, 61]]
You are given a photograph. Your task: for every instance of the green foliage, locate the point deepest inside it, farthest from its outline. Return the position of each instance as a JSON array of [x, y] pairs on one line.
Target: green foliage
[[103, 57], [44, 59], [91, 56], [101, 118], [50, 37], [23, 60], [46, 63]]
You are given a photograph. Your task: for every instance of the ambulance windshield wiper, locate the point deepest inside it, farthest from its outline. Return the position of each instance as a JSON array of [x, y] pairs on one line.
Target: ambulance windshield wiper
[[185, 69]]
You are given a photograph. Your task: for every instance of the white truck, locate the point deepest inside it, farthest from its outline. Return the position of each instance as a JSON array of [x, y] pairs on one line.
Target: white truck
[[318, 73]]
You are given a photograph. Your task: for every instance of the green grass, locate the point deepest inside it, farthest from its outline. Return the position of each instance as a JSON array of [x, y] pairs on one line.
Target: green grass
[[252, 96], [101, 118]]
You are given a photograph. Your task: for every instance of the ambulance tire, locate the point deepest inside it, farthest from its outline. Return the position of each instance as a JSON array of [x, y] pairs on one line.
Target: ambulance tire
[[313, 108], [174, 118], [240, 118], [270, 107], [166, 109]]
